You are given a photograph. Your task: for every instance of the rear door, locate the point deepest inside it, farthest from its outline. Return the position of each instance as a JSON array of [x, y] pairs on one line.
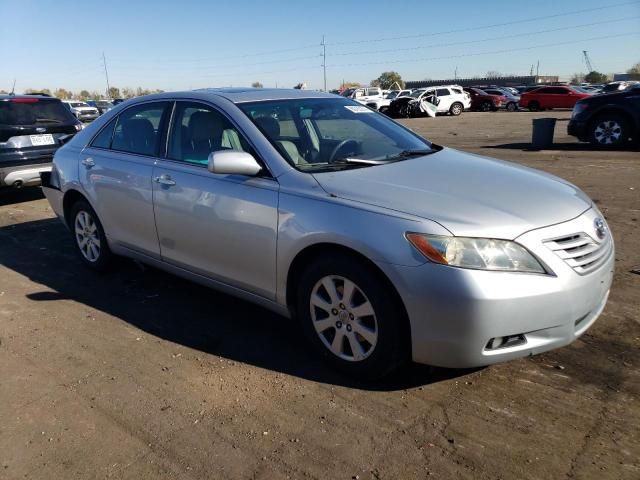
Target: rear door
[[115, 171]]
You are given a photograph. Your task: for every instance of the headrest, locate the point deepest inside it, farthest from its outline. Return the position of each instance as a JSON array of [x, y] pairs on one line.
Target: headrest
[[205, 126], [270, 126]]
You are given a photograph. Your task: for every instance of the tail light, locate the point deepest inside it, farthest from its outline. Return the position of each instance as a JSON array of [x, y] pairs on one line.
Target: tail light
[[23, 100]]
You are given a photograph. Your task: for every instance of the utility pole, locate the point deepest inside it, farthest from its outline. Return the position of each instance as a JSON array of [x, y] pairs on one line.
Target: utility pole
[[538, 69], [106, 74], [455, 73], [531, 71], [324, 62]]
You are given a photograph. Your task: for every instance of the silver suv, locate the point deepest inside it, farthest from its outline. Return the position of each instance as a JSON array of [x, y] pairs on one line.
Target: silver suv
[[384, 246]]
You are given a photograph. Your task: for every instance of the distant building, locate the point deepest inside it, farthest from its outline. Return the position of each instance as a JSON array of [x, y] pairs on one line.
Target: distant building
[[499, 81]]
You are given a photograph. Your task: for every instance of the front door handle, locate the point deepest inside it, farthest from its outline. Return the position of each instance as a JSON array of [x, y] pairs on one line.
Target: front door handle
[[164, 180], [88, 162]]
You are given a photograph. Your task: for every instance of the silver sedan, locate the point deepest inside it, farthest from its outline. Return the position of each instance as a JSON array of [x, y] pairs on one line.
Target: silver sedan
[[384, 246]]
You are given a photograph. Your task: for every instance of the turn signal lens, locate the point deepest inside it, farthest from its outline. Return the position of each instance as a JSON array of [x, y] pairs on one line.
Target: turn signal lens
[[476, 253]]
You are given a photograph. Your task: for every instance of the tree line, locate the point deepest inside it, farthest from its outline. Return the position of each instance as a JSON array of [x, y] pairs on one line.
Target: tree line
[[114, 92]]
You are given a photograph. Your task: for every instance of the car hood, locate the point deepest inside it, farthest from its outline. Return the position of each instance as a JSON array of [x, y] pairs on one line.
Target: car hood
[[468, 194]]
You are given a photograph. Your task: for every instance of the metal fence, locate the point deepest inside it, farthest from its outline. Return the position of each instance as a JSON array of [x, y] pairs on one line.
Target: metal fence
[[500, 81]]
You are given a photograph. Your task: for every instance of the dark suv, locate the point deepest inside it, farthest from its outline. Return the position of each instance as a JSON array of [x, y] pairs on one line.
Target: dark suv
[[31, 130], [607, 120]]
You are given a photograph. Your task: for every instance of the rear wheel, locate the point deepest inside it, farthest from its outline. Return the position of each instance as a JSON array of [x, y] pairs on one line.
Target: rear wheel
[[486, 106], [609, 130], [351, 318], [456, 109], [534, 106], [512, 106], [90, 240]]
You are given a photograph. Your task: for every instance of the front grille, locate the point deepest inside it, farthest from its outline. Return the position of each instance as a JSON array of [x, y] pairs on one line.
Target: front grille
[[580, 251]]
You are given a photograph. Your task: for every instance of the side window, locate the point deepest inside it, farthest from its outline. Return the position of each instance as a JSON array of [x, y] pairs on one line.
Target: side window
[[198, 130], [103, 139], [442, 92], [457, 91], [138, 129], [374, 91]]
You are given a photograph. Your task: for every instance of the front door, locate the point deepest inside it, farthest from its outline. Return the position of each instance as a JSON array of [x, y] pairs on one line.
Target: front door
[[220, 226], [115, 172]]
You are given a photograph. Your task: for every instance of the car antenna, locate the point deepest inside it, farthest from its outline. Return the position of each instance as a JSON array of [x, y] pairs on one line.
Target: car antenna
[[13, 89]]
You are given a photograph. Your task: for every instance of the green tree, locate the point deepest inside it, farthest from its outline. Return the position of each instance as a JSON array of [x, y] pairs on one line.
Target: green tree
[[388, 80], [346, 85], [257, 85], [128, 92], [634, 71], [3, 92], [114, 92], [595, 77], [84, 94]]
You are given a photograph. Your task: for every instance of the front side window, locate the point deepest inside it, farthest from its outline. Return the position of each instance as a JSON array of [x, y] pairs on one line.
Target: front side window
[[138, 129], [332, 133], [198, 130]]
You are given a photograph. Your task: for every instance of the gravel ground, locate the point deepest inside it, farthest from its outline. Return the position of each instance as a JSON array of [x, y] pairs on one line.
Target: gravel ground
[[138, 374]]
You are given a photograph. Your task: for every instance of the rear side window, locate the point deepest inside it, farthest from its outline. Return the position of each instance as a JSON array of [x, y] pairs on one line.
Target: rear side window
[[443, 92], [457, 90], [138, 129], [34, 112], [103, 140]]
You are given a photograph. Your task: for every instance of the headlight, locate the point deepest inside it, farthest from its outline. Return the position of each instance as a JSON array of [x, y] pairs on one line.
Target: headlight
[[477, 253]]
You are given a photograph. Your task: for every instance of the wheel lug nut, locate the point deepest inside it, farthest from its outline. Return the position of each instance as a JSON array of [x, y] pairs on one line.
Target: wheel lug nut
[[334, 311], [342, 306], [338, 324], [351, 316], [348, 328]]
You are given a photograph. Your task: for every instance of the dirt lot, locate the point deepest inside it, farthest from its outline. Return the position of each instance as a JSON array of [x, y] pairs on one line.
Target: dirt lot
[[141, 375]]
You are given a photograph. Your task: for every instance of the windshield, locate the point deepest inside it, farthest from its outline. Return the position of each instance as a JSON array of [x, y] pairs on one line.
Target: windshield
[[392, 95], [104, 104], [320, 134], [416, 93], [79, 104]]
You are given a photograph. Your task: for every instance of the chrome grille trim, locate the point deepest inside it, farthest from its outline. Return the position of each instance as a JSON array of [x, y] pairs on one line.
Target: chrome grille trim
[[580, 251]]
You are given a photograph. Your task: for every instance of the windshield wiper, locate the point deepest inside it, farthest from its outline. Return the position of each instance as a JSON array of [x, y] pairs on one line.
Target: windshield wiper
[[363, 161], [410, 153]]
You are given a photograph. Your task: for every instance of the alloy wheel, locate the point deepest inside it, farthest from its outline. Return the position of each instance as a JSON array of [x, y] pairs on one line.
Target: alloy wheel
[[344, 318], [607, 132], [87, 236]]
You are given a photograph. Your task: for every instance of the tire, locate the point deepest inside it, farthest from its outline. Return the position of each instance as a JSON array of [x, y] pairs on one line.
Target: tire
[[89, 237], [512, 106], [534, 106], [383, 110], [486, 106], [609, 130], [456, 109], [371, 345]]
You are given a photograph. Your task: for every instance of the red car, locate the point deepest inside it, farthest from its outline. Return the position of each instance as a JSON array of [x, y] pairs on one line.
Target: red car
[[551, 97], [481, 100]]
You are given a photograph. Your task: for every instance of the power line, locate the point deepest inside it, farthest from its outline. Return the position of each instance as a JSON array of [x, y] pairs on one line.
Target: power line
[[531, 47], [482, 27], [467, 42]]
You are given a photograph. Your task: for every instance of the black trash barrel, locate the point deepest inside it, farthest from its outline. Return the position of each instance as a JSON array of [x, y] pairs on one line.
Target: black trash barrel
[[543, 132]]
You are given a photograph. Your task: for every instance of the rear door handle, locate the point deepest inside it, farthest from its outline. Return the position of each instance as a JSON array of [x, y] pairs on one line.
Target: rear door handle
[[88, 162], [164, 180]]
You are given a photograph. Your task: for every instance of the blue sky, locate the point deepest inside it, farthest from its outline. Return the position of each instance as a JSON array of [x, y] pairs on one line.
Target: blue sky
[[184, 44]]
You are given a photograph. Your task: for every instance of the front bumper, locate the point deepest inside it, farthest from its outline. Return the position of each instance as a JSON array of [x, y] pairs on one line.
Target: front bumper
[[456, 314], [578, 129]]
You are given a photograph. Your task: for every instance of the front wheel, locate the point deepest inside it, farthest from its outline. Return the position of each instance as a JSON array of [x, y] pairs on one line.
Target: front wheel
[[90, 239], [608, 131], [349, 314], [512, 106], [534, 107], [486, 106]]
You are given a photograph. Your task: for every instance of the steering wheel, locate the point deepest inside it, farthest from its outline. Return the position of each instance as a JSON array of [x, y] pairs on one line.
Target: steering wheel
[[342, 145]]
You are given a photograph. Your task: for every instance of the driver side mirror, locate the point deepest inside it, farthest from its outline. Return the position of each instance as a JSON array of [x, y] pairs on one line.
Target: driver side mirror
[[233, 162]]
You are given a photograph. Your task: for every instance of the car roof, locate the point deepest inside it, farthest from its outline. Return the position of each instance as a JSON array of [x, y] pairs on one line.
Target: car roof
[[40, 97], [240, 95]]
